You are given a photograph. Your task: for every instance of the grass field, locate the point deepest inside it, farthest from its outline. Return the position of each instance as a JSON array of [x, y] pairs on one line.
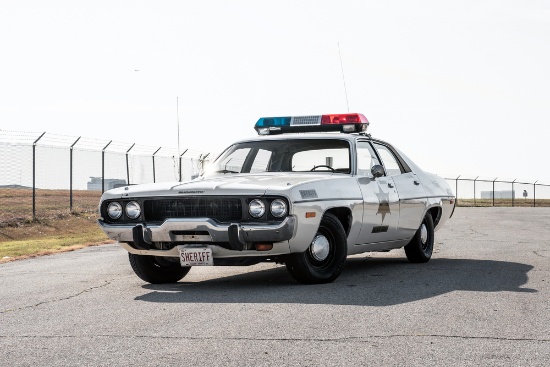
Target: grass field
[[58, 229], [55, 229], [16, 204], [503, 202]]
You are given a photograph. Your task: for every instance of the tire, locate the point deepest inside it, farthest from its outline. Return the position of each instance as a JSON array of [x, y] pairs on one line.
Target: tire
[[325, 257], [420, 248], [157, 270]]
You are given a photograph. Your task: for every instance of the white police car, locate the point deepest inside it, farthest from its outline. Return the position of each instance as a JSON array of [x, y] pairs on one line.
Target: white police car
[[305, 200]]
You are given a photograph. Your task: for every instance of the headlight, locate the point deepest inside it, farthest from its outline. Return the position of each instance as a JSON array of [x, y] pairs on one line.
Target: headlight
[[256, 208], [133, 210], [278, 208], [114, 210]]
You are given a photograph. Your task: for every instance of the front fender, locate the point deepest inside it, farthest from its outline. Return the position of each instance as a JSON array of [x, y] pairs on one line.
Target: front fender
[[307, 225]]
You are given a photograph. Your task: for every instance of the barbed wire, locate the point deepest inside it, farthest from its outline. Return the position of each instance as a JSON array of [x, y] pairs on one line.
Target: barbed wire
[[13, 137]]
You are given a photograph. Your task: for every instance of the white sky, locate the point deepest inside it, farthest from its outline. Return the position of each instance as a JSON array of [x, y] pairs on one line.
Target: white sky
[[462, 87]]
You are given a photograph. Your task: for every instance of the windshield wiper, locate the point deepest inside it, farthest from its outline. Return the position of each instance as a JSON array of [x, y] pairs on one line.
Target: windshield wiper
[[225, 171]]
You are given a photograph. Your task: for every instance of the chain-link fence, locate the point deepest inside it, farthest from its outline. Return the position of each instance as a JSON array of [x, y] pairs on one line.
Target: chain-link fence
[[45, 175], [497, 192]]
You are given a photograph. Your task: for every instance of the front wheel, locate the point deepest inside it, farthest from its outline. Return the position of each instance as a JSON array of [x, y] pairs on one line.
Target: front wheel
[[156, 269], [420, 249], [325, 257]]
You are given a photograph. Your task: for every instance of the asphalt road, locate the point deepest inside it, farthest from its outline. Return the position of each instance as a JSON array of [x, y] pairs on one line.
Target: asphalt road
[[483, 299]]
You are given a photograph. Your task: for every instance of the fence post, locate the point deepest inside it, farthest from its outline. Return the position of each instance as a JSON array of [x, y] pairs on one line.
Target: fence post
[[535, 193], [128, 165], [71, 176], [34, 176], [103, 167], [475, 190], [154, 180], [180, 160], [494, 190], [513, 192], [456, 189]]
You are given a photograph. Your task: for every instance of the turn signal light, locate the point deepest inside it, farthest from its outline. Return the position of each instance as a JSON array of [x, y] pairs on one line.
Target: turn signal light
[[263, 246]]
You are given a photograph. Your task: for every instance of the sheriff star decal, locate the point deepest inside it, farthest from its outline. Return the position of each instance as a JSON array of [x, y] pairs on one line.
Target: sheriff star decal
[[383, 203]]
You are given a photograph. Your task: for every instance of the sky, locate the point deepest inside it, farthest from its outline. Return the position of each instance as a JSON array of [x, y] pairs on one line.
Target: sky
[[462, 87]]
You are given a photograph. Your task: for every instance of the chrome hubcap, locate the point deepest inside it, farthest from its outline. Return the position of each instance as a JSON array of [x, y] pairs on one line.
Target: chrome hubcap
[[423, 234], [319, 248]]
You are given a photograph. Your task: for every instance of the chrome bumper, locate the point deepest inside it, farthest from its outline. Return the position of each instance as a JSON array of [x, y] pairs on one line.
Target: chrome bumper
[[173, 230]]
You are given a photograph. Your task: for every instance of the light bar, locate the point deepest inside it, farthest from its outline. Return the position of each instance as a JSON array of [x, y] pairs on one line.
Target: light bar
[[347, 123]]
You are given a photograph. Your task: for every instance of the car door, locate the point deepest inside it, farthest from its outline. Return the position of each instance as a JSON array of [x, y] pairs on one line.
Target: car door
[[380, 200], [412, 197]]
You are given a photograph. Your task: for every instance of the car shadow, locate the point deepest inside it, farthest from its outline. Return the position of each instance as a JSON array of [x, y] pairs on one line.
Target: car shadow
[[366, 281]]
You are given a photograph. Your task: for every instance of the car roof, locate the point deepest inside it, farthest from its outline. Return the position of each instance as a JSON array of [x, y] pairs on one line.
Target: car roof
[[293, 136]]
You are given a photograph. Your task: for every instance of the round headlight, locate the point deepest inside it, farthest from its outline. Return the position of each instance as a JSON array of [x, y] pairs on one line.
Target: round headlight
[[133, 210], [278, 208], [256, 208], [114, 210]]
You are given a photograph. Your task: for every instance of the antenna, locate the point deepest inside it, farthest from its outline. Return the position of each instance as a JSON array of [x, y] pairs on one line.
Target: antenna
[[343, 78], [178, 118]]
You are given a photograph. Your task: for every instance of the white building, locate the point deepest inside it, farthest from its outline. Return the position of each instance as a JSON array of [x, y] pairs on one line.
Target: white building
[[110, 183], [503, 194]]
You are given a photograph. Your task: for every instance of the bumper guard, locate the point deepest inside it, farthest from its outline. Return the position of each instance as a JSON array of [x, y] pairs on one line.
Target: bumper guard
[[236, 234]]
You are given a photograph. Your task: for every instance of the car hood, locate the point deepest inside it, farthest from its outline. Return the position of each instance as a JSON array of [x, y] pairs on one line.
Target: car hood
[[261, 184]]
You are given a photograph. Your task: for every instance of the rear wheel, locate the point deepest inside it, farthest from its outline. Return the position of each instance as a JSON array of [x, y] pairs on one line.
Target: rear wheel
[[156, 269], [420, 249], [325, 257]]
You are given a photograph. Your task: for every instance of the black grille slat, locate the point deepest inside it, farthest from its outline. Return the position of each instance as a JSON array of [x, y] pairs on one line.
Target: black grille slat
[[222, 209]]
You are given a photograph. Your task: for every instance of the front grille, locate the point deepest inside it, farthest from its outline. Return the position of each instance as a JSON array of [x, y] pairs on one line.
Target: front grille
[[221, 209]]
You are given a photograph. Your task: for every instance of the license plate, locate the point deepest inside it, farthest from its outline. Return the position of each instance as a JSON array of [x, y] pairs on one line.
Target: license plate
[[195, 256]]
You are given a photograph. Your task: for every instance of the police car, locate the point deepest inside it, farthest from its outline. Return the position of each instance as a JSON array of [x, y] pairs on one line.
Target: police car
[[305, 200]]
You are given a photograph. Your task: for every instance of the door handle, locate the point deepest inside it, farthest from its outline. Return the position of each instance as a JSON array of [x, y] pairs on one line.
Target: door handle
[[390, 185], [416, 183]]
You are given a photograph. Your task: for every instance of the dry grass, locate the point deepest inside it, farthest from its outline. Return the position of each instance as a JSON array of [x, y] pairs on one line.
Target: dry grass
[[66, 233], [16, 204], [503, 202], [55, 229]]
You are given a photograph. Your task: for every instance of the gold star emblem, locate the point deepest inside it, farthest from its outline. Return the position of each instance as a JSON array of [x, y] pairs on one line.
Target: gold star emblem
[[383, 203]]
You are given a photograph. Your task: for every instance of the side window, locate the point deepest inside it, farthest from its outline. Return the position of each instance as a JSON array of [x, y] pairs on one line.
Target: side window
[[365, 158], [388, 160]]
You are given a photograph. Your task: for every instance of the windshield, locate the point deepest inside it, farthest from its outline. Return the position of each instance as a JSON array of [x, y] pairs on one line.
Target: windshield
[[294, 155]]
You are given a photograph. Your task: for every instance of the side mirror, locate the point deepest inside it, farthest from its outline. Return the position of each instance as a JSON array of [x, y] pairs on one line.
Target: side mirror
[[377, 171]]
